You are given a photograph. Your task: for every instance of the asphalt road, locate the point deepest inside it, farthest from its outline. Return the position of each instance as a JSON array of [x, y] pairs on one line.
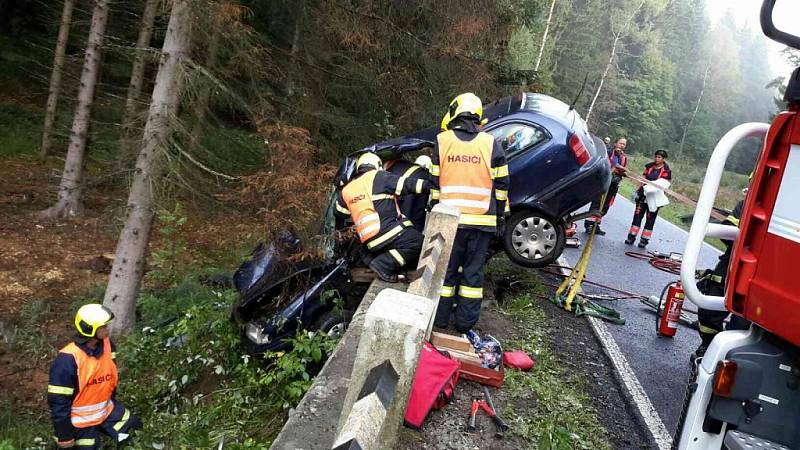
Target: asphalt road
[[661, 364]]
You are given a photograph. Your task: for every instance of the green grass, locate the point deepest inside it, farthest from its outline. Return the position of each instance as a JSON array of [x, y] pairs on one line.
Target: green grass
[[183, 372], [557, 414]]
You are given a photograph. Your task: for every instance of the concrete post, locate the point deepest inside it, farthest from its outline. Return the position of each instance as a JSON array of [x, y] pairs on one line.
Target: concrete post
[[388, 351], [440, 232]]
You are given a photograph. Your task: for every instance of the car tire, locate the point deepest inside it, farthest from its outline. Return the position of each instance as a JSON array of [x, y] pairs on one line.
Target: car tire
[[334, 323], [533, 239]]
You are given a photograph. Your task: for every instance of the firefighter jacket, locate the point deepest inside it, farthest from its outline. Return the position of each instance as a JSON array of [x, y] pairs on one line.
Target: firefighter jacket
[[469, 172], [616, 159], [412, 206], [81, 388], [370, 199], [653, 173]]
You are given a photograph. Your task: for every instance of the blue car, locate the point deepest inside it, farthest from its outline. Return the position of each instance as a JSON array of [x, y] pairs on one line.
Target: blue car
[[556, 168]]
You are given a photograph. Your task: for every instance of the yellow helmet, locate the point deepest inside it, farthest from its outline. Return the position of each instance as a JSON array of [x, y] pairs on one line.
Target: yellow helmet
[[91, 317], [467, 103], [369, 159]]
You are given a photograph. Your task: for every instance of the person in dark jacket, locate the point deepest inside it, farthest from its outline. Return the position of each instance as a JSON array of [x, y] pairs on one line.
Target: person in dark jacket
[[411, 205], [370, 200], [652, 172], [83, 383], [469, 172], [712, 282], [619, 165]]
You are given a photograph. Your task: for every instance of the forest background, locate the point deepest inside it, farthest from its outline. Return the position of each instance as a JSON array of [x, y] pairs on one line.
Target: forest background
[[273, 94]]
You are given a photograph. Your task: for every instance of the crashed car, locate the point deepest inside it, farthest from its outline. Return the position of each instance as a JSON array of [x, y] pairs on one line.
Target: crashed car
[[281, 293], [556, 167]]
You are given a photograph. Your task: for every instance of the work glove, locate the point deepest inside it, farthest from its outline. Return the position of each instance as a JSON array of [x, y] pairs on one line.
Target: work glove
[[501, 227]]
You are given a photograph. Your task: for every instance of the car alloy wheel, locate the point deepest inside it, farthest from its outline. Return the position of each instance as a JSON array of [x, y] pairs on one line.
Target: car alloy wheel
[[534, 237]]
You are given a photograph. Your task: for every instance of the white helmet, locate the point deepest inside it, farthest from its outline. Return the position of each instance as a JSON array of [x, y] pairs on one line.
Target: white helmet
[[424, 161]]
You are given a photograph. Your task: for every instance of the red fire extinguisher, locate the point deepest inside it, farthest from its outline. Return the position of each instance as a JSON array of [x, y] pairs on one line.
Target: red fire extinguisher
[[671, 313]]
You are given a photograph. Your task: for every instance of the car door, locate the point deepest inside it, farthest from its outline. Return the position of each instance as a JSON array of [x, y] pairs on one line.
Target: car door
[[530, 161]]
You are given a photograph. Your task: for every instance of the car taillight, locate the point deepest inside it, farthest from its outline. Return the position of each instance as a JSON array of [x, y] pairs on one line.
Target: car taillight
[[578, 149], [725, 377]]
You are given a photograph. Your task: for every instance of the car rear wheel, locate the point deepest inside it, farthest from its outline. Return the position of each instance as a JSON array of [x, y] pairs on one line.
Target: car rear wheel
[[532, 239]]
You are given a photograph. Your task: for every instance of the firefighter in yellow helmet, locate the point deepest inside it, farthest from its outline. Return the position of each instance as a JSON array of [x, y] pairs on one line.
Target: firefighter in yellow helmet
[[370, 200], [83, 383], [468, 172]]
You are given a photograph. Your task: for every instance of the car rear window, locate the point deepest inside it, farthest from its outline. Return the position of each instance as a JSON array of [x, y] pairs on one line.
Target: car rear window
[[517, 138]]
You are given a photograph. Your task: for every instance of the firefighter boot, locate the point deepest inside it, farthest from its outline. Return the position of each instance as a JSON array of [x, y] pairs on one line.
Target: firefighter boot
[[643, 242], [382, 273], [631, 239]]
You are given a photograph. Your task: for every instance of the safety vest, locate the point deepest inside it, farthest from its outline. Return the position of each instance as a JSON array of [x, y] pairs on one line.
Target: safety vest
[[97, 378], [358, 198], [465, 176]]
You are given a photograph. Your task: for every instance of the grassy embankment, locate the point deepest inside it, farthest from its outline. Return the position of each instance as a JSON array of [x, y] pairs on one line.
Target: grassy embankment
[[554, 412]]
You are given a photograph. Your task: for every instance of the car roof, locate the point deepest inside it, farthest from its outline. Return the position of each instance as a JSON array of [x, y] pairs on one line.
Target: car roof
[[534, 103]]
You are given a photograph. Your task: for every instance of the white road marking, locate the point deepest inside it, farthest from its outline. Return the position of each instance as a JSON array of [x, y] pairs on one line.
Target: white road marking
[[648, 412]]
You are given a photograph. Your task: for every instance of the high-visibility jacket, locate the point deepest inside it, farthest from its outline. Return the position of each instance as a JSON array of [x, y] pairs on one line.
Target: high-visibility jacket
[[469, 172], [83, 382], [413, 205], [370, 199]]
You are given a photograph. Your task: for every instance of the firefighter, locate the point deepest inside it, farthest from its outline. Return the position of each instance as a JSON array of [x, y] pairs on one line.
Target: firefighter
[[411, 205], [712, 282], [370, 199], [619, 164], [83, 382], [469, 172], [658, 169]]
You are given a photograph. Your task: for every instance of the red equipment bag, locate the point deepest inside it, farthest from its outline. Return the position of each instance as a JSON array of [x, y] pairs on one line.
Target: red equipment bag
[[434, 381], [518, 360]]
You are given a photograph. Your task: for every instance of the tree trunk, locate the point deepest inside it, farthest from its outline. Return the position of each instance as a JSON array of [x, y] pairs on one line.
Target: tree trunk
[[696, 108], [71, 187], [126, 153], [201, 107], [617, 36], [55, 77], [544, 36], [127, 271], [603, 78]]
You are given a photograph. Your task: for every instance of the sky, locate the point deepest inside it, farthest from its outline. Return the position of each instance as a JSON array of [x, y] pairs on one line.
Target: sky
[[786, 16]]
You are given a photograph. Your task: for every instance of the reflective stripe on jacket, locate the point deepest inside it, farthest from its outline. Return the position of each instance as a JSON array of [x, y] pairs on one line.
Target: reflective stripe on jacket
[[358, 198], [97, 379], [370, 200], [472, 176]]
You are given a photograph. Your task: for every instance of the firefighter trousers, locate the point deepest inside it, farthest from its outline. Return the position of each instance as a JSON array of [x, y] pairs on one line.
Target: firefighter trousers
[[639, 213], [403, 251], [712, 322], [464, 287], [613, 188], [119, 423]]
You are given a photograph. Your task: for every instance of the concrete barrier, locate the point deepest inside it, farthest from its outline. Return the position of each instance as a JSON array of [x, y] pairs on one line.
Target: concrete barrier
[[396, 325], [356, 382]]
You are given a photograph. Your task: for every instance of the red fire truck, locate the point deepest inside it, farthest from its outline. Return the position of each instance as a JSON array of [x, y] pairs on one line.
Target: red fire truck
[[745, 391]]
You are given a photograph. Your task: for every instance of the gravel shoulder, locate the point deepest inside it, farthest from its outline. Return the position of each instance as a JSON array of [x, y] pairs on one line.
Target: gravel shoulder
[[571, 398]]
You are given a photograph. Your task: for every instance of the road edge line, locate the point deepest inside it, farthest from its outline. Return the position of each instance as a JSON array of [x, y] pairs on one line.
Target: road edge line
[[625, 374]]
